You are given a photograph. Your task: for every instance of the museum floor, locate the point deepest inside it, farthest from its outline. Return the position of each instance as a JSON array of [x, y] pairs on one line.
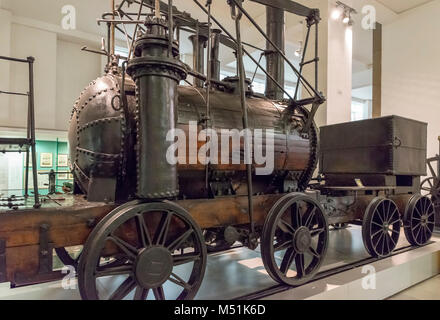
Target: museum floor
[[239, 273]]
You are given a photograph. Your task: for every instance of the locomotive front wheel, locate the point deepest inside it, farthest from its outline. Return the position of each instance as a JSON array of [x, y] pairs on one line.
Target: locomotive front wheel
[[294, 240], [418, 220], [381, 227], [160, 248]]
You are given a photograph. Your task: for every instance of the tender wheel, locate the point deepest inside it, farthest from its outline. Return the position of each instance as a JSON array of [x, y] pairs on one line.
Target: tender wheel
[[419, 220], [294, 240], [381, 227], [161, 249]]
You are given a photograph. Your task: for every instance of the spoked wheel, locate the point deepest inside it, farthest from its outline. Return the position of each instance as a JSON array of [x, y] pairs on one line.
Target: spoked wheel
[[381, 227], [294, 239], [164, 255], [419, 220]]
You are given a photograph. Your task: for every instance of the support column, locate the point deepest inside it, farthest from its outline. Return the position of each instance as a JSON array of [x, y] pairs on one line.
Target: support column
[[377, 71], [335, 64]]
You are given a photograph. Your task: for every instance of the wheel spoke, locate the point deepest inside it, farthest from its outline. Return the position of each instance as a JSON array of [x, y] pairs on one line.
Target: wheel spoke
[[179, 281], [124, 289], [285, 227], [377, 224], [392, 240], [185, 258], [378, 241], [295, 216], [314, 253], [141, 293], [180, 240], [300, 265], [143, 233], [376, 233], [287, 260], [279, 246], [316, 232], [129, 250], [159, 294], [162, 229], [310, 217], [391, 217], [113, 271]]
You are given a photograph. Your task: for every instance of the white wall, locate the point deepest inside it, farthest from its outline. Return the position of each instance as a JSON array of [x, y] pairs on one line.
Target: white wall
[[5, 50], [42, 45], [75, 69], [411, 68], [61, 71]]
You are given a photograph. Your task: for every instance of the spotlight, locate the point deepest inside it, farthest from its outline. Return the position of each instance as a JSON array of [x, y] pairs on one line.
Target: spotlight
[[336, 14], [344, 11]]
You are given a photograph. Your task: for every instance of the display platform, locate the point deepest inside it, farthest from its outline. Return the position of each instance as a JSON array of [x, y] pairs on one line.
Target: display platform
[[239, 274]]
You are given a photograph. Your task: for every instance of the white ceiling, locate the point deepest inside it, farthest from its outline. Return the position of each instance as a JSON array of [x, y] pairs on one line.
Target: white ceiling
[[400, 6]]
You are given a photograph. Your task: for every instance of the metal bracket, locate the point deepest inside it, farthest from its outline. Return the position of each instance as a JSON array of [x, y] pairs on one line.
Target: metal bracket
[[2, 260], [45, 250]]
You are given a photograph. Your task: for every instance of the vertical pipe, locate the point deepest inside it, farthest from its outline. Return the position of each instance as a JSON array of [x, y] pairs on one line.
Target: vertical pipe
[[170, 28], [113, 28], [32, 130], [199, 45], [26, 180], [274, 60], [215, 53], [156, 76], [242, 91]]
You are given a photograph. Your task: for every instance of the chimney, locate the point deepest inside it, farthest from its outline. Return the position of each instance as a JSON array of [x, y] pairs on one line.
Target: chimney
[[274, 61]]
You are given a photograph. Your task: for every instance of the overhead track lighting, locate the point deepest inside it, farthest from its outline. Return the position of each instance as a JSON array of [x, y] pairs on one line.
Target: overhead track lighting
[[343, 12]]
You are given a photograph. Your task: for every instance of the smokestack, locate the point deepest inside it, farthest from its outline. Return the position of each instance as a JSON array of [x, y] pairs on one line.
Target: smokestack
[[215, 53], [274, 61], [199, 45], [156, 72]]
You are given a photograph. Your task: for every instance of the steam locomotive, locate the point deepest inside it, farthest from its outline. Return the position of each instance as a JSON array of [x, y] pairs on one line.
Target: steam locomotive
[[150, 221]]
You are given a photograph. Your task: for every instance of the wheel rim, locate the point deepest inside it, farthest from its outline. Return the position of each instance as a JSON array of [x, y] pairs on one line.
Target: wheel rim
[[160, 243], [381, 227], [419, 220], [294, 240]]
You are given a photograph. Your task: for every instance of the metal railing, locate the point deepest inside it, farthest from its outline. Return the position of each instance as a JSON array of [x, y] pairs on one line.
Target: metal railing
[[29, 141]]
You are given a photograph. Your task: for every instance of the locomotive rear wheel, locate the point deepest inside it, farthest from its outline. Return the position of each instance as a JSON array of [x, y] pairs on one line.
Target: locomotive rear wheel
[[162, 249], [294, 240], [419, 220], [381, 227]]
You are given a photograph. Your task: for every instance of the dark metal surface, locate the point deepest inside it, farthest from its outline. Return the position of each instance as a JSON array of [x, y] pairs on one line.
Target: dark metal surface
[[390, 145], [156, 75]]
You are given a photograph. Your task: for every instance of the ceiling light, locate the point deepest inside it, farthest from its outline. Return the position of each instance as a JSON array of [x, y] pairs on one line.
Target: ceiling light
[[336, 14], [346, 19]]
